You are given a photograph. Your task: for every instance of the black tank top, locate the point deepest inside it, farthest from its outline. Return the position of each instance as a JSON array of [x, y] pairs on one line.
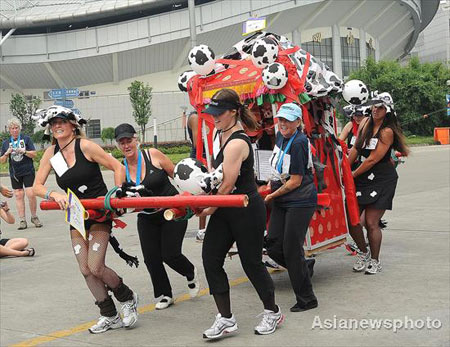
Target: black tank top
[[158, 182], [157, 179], [365, 152], [84, 178], [245, 182]]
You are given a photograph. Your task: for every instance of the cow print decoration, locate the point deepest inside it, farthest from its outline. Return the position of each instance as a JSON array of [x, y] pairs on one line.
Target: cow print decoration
[[202, 59], [355, 92], [275, 76], [184, 78], [264, 52], [188, 174]]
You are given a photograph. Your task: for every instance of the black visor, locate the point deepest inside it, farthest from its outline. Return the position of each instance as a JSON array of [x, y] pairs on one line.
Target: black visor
[[217, 107]]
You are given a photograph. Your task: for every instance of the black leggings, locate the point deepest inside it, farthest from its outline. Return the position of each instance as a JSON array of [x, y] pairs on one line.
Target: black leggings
[[161, 241], [287, 231], [245, 226]]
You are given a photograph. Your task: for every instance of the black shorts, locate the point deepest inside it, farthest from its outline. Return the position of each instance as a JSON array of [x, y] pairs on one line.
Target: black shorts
[[89, 223], [21, 181], [3, 242]]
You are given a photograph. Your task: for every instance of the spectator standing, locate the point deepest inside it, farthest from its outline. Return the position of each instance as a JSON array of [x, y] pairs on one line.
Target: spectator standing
[[20, 151]]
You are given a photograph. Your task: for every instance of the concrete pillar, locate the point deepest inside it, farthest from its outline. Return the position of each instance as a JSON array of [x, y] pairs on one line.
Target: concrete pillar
[[337, 56], [192, 24], [377, 50], [362, 47], [296, 37]]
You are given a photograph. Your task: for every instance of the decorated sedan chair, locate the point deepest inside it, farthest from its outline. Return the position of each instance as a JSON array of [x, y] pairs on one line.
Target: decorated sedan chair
[[267, 70]]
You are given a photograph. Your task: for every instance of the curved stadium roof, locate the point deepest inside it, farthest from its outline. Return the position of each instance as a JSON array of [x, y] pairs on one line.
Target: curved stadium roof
[[37, 13], [54, 47]]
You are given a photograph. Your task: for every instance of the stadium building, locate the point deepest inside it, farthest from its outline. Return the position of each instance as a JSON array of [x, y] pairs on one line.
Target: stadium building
[[101, 46]]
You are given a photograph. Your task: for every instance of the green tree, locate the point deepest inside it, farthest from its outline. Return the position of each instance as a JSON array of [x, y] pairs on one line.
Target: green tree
[[417, 89], [141, 97], [23, 108], [107, 134], [38, 137]]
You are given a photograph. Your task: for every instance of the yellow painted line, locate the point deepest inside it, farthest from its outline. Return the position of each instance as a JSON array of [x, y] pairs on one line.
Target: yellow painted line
[[85, 326]]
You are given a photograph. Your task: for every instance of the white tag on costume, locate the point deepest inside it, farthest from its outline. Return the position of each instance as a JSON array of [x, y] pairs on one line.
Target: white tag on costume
[[372, 143], [59, 164], [353, 140]]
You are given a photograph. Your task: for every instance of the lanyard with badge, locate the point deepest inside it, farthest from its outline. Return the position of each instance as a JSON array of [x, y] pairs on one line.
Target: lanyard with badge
[[281, 153], [138, 172], [15, 143], [58, 161]]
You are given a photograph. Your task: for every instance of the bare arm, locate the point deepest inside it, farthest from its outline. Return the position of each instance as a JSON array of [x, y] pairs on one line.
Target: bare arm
[[294, 182], [5, 191], [193, 125], [164, 162], [353, 152], [5, 156], [234, 154], [30, 154], [347, 128], [95, 153], [385, 141], [44, 170], [6, 215]]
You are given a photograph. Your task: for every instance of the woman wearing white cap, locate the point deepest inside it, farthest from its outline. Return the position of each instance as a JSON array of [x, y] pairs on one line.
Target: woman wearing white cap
[[294, 197], [375, 177]]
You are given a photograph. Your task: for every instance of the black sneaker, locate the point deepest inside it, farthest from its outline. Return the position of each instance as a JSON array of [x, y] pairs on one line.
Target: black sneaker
[[300, 308]]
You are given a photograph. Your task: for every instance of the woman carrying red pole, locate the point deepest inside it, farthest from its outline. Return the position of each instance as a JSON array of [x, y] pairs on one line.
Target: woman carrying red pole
[[245, 226], [147, 172], [76, 162]]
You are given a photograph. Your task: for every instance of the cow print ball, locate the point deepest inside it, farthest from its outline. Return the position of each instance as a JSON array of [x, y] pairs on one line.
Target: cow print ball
[[355, 92], [188, 175], [184, 79], [202, 59], [264, 52], [275, 76]]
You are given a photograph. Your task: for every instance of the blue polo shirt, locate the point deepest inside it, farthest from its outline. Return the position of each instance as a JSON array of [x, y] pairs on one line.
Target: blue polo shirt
[[19, 164], [294, 162]]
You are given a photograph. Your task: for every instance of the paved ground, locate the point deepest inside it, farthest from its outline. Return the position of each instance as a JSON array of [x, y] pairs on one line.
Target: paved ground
[[44, 299]]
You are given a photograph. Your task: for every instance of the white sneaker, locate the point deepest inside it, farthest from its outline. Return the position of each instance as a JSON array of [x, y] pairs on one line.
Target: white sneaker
[[129, 311], [361, 261], [194, 285], [221, 327], [105, 323], [373, 267], [269, 262], [270, 322], [233, 249], [164, 302], [200, 235]]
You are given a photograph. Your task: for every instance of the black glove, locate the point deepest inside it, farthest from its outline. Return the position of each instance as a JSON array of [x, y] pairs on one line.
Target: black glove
[[130, 260], [141, 190], [129, 190], [124, 190]]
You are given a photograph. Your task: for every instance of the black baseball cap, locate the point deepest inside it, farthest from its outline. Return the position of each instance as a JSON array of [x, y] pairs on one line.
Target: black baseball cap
[[124, 130]]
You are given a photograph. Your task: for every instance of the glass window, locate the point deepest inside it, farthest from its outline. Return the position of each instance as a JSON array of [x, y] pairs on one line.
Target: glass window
[[322, 50], [350, 55], [370, 51], [93, 129]]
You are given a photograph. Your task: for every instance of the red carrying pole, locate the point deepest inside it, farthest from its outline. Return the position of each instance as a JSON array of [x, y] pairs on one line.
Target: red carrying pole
[[177, 201]]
